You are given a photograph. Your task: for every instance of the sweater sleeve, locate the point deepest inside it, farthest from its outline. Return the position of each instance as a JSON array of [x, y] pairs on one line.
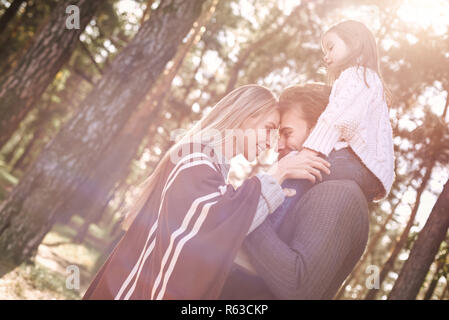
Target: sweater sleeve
[[347, 107]]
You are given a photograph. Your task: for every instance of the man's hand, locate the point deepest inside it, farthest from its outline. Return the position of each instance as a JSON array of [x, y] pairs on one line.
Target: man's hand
[[299, 165]]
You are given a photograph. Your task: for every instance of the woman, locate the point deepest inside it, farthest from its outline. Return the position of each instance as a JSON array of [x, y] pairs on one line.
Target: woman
[[188, 222]]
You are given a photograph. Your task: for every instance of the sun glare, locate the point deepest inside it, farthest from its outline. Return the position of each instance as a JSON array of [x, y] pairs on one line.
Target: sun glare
[[287, 5], [426, 14]]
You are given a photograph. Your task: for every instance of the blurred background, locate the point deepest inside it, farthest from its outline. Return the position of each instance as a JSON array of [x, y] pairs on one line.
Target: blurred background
[[86, 114]]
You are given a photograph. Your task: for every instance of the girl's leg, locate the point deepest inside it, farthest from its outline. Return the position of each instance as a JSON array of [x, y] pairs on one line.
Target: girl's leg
[[345, 165]]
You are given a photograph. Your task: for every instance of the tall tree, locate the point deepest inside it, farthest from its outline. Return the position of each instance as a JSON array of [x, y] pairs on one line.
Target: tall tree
[[440, 265], [23, 85], [29, 212], [424, 250]]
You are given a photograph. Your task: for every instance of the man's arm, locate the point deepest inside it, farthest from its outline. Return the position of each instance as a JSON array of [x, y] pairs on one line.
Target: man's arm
[[327, 236]]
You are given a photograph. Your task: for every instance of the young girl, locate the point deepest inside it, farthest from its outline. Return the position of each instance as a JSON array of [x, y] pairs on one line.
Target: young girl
[[354, 130]]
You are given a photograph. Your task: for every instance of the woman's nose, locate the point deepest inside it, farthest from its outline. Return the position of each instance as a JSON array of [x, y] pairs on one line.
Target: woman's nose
[[280, 145]]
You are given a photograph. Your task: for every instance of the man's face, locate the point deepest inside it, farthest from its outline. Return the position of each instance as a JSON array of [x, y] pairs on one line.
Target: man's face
[[293, 131]]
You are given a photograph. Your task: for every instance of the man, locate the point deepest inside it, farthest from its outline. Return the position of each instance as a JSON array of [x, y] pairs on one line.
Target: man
[[308, 253]]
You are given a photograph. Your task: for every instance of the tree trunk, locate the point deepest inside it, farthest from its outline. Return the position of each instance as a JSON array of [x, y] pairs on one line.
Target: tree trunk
[[89, 219], [11, 153], [424, 250], [24, 160], [388, 266], [20, 162], [9, 14], [440, 272], [146, 13], [432, 286], [23, 85], [65, 163]]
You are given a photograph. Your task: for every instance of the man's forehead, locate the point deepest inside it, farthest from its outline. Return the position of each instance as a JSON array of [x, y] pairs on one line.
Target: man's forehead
[[294, 112]]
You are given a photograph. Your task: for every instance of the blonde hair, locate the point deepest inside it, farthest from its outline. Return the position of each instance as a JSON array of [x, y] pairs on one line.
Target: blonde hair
[[363, 52], [229, 113]]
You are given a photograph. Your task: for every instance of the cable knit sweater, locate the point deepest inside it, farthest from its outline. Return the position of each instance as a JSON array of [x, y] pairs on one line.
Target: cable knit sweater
[[357, 115]]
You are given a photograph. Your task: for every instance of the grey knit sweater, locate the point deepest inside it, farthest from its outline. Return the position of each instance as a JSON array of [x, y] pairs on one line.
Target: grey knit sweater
[[318, 244]]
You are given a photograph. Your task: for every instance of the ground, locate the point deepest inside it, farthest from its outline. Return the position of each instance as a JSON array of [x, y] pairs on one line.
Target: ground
[[46, 278]]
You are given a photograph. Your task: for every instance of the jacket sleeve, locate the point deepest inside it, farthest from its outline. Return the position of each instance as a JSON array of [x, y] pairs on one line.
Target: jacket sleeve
[[204, 223], [348, 106]]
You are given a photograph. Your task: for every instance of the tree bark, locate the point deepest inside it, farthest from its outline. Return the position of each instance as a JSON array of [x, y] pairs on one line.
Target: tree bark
[[9, 14], [146, 13], [424, 250], [433, 284], [65, 163], [20, 162], [23, 85], [83, 231]]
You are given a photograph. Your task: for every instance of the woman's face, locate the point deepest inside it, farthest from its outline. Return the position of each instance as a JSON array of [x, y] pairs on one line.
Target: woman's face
[[335, 50], [256, 134]]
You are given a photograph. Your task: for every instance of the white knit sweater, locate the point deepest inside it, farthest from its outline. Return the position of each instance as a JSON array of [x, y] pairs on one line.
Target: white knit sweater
[[358, 116]]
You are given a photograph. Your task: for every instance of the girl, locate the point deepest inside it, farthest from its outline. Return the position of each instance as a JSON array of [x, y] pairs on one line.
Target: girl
[[354, 131], [188, 224]]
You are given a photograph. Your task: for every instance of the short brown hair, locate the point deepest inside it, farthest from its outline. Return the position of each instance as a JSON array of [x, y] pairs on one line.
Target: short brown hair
[[310, 99]]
